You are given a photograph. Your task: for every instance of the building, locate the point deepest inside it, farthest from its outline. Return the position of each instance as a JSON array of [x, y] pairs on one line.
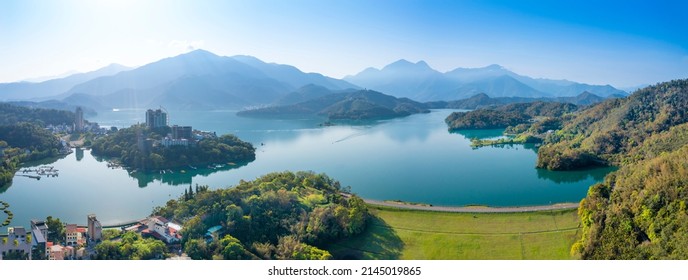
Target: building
[[213, 233], [144, 145], [162, 229], [75, 235], [39, 233], [15, 242], [79, 119], [182, 132], [168, 142], [56, 252], [156, 119], [41, 226], [95, 229]]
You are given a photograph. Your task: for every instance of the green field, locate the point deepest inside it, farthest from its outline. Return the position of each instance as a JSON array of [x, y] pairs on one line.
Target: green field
[[424, 235]]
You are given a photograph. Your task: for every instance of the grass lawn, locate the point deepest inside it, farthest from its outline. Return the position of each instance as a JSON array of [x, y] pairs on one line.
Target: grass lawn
[[420, 235]]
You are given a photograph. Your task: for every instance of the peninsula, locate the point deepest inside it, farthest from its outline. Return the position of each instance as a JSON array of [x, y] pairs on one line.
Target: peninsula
[[157, 146]]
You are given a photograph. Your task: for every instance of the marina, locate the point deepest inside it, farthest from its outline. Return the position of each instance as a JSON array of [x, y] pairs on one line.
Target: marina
[[40, 171]]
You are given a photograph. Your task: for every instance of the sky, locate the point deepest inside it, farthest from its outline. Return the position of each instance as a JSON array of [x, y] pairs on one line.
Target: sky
[[624, 43]]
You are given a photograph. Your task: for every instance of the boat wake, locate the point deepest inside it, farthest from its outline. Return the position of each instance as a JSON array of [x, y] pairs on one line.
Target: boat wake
[[350, 137]]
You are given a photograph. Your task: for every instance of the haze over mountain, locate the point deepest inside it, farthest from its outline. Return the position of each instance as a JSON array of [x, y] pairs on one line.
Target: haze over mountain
[[47, 89], [201, 80], [198, 80], [420, 82]]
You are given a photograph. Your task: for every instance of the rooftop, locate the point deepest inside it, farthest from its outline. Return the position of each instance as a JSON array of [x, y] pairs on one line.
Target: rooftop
[[70, 228], [214, 229], [39, 238]]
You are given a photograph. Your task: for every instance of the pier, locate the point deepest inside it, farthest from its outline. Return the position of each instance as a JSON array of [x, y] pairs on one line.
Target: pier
[[31, 176], [45, 170]]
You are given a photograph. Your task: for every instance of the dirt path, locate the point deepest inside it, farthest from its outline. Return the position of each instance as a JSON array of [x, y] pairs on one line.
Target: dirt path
[[472, 209]]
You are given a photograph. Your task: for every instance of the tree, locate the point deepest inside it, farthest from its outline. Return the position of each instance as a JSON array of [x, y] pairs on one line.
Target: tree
[[290, 248], [56, 231], [256, 215], [196, 249]]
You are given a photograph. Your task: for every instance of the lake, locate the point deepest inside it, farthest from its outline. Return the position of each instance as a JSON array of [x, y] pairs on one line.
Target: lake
[[411, 159]]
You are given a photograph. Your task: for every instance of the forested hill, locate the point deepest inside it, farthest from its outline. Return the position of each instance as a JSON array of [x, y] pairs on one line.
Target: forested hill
[[358, 105], [277, 216], [16, 139], [611, 132], [507, 115], [640, 211], [11, 114], [482, 100]]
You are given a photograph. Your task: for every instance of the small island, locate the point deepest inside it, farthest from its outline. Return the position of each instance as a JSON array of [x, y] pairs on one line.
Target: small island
[[156, 146], [356, 105]]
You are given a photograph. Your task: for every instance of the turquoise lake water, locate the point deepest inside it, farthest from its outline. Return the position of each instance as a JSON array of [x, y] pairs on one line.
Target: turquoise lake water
[[411, 159]]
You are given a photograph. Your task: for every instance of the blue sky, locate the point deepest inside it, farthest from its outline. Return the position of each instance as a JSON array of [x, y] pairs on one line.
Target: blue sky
[[621, 43]]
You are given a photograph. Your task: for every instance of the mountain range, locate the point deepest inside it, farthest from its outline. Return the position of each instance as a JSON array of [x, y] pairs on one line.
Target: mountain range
[[51, 88], [420, 82], [201, 80]]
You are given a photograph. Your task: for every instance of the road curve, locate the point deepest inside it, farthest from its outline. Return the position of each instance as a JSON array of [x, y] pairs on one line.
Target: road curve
[[472, 209]]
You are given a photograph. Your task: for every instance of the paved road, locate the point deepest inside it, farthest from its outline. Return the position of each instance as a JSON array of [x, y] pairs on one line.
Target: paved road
[[473, 209]]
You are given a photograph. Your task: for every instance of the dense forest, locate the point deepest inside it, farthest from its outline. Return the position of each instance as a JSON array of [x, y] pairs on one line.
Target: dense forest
[[638, 212], [10, 114], [277, 216], [16, 139], [508, 115], [21, 128], [123, 145], [484, 119], [130, 246], [612, 131]]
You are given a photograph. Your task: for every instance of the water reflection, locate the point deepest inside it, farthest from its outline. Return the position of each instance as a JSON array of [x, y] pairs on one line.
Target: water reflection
[[479, 133], [560, 177], [79, 153], [179, 176]]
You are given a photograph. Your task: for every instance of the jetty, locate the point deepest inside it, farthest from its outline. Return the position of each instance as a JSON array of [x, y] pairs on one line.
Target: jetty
[[44, 170]]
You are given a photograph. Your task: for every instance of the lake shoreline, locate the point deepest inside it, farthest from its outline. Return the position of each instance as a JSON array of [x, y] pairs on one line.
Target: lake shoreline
[[471, 209]]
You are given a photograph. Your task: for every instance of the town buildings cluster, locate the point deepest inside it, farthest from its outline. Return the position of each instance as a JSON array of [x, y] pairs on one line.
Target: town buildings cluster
[[35, 242], [178, 135], [79, 125], [78, 240]]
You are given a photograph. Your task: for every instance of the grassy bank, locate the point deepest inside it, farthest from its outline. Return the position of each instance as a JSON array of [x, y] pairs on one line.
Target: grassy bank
[[419, 235]]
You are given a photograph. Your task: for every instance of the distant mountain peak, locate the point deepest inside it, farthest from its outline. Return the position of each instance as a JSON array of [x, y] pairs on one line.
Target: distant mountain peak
[[495, 67], [405, 65], [198, 53], [398, 64], [422, 63]]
